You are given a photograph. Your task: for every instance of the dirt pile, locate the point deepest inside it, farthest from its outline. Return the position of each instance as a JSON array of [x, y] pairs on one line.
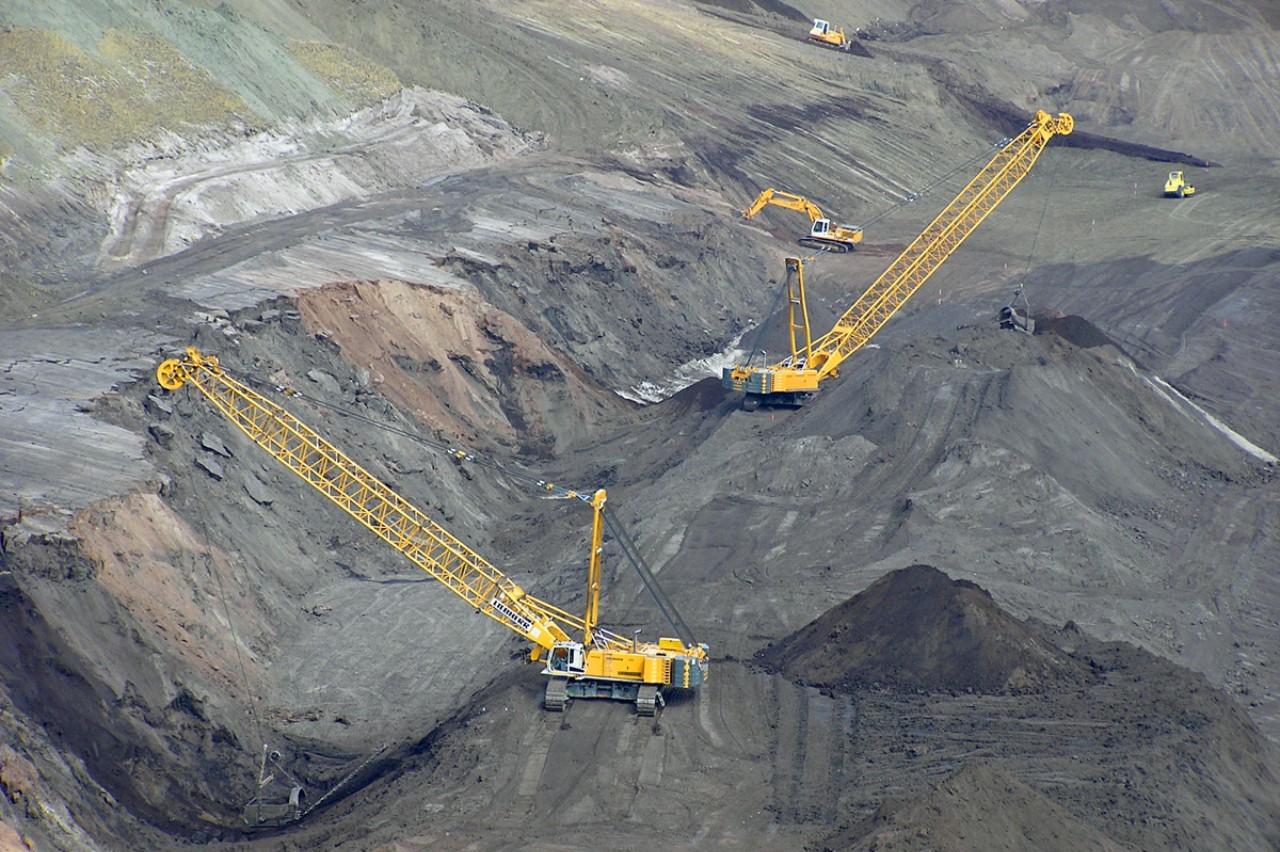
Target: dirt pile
[[982, 808], [459, 363], [1076, 329], [917, 629], [1163, 760]]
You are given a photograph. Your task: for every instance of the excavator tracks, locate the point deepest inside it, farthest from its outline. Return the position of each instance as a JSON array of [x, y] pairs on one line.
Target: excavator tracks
[[825, 245]]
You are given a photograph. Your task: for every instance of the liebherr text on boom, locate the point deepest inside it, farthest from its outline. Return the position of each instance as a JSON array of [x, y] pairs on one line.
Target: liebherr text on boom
[[796, 378], [600, 664]]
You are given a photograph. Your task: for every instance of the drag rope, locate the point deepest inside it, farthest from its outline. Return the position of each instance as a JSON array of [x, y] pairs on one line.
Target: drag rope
[[912, 197]]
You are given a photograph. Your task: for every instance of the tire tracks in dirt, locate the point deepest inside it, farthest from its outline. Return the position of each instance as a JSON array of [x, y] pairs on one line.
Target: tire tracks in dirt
[[812, 731]]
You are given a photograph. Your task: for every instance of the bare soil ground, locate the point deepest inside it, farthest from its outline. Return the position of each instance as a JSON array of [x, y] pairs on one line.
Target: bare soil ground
[[521, 267]]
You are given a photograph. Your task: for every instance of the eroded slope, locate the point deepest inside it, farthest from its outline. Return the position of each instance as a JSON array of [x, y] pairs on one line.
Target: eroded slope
[[1068, 482]]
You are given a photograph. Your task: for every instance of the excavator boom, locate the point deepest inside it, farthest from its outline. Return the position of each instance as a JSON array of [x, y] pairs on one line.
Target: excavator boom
[[789, 200], [790, 383]]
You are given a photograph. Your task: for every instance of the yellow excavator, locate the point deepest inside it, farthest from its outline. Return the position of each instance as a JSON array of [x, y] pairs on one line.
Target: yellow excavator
[[826, 35], [795, 379], [1177, 187], [583, 660], [824, 235]]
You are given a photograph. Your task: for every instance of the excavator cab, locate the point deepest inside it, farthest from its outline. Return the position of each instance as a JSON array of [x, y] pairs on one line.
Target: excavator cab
[[825, 235]]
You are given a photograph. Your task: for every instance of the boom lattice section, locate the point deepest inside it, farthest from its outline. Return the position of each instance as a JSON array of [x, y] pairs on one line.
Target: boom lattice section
[[363, 496], [935, 244], [796, 377]]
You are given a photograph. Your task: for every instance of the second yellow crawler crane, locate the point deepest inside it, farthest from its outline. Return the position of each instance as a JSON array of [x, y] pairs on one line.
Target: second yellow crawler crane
[[795, 379]]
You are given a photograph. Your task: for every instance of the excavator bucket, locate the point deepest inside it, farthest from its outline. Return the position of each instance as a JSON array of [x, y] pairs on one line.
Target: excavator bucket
[[273, 813]]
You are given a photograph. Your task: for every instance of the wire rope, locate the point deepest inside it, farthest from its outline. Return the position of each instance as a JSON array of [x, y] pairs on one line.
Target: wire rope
[[912, 197], [624, 540]]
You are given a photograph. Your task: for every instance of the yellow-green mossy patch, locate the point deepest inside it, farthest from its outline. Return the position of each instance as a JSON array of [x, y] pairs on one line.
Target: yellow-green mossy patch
[[345, 71], [136, 84]]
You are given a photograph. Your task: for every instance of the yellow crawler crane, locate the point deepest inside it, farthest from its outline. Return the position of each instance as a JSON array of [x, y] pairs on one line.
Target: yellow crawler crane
[[824, 235], [600, 664], [795, 379]]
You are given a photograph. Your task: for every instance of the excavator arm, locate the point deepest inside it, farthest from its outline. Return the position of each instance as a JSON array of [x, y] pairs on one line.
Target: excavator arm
[[790, 383], [783, 199]]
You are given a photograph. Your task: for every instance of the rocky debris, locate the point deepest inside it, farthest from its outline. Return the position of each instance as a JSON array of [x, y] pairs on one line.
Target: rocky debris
[[162, 433], [211, 467], [326, 381], [258, 491], [917, 629], [157, 406], [214, 444], [39, 547]]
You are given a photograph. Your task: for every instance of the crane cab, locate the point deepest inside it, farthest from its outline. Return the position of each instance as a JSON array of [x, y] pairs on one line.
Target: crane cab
[[566, 658]]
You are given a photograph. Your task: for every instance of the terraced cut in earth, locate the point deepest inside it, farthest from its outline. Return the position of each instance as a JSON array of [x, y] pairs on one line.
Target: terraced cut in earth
[[986, 589]]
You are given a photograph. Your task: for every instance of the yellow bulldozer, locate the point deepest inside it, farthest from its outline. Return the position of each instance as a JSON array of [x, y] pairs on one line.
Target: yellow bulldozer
[[825, 35]]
